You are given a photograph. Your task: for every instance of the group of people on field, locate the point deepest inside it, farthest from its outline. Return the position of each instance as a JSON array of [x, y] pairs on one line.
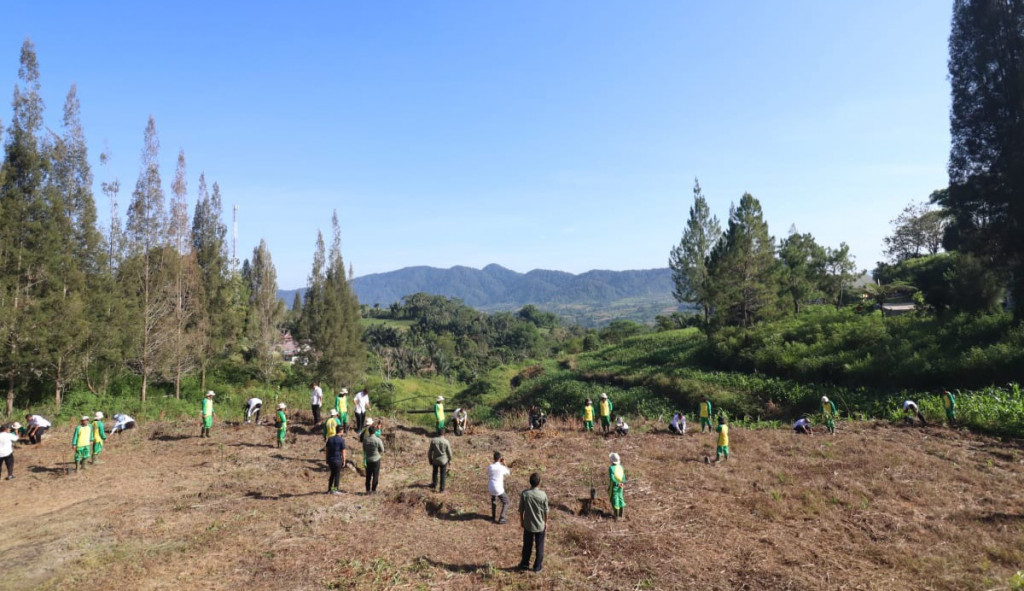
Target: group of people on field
[[911, 411], [87, 438]]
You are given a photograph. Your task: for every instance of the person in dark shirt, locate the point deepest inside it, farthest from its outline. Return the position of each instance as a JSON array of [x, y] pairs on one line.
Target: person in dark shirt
[[533, 518], [335, 461]]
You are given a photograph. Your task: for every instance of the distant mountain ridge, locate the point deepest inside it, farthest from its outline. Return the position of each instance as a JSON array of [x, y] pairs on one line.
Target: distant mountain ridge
[[496, 288]]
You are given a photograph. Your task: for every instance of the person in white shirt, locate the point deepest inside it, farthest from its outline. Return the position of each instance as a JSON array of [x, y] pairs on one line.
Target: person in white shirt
[[7, 439], [803, 426], [361, 402], [253, 406], [316, 400], [678, 424], [35, 426], [911, 410], [122, 422], [461, 419], [496, 474], [621, 427]]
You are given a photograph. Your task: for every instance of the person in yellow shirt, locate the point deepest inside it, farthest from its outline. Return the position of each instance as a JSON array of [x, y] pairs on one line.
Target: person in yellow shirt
[[605, 412], [82, 441], [99, 435], [206, 412], [723, 440], [588, 415], [616, 484], [704, 412], [439, 413], [341, 405]]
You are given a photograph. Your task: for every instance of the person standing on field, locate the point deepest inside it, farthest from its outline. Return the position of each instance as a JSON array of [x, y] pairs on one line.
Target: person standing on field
[[588, 415], [331, 425], [316, 400], [361, 401], [82, 441], [616, 485], [722, 451], [341, 405], [704, 412], [949, 403], [605, 408], [206, 412], [335, 460], [99, 435], [496, 474], [828, 414], [533, 518], [7, 439], [373, 447], [439, 414], [282, 424], [439, 454]]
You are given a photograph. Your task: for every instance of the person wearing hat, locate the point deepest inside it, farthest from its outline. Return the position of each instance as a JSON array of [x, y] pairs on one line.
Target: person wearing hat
[[439, 454], [588, 415], [828, 414], [605, 408], [373, 447], [704, 412], [122, 422], [253, 408], [207, 414], [616, 484], [949, 403], [341, 405], [331, 425], [7, 439], [99, 435], [439, 413], [82, 441], [802, 426], [281, 424]]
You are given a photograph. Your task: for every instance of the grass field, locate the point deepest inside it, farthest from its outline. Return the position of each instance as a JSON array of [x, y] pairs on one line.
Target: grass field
[[875, 507]]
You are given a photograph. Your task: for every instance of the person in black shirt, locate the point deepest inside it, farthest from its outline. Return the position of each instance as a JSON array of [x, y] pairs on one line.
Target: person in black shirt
[[335, 461]]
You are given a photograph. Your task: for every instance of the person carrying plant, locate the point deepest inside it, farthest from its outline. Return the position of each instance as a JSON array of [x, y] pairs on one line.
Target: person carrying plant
[[282, 424], [341, 405], [949, 403], [616, 484], [439, 413], [605, 412], [82, 441], [704, 412], [99, 435], [723, 440], [588, 415], [828, 414], [206, 412]]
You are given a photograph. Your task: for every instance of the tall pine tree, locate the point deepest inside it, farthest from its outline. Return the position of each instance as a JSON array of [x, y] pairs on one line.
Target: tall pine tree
[[688, 260]]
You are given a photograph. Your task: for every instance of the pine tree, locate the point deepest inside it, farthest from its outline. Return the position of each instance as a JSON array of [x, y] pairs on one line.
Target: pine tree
[[688, 260], [179, 355], [802, 268], [216, 326], [266, 310]]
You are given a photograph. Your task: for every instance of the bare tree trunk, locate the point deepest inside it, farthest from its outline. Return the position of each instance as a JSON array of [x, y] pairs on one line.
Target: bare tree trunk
[[10, 394]]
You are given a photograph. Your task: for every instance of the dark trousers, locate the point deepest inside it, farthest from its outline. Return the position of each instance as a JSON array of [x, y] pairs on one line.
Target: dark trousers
[[494, 506], [9, 462], [528, 540], [360, 420], [372, 475], [443, 471], [316, 414], [332, 482], [37, 436]]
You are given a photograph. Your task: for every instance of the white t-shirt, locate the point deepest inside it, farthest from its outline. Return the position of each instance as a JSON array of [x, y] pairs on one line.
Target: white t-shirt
[[253, 402], [38, 421], [909, 405], [316, 397], [7, 440], [496, 474], [361, 401], [120, 422]]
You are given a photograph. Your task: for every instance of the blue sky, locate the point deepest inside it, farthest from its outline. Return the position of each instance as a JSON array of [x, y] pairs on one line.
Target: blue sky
[[532, 134]]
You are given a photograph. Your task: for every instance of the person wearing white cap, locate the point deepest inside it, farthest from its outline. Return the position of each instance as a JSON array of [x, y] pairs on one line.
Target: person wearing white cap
[[373, 447], [439, 413], [99, 435], [82, 441], [206, 412], [281, 424], [122, 422], [605, 412], [616, 482], [7, 439], [828, 414], [331, 425], [341, 405]]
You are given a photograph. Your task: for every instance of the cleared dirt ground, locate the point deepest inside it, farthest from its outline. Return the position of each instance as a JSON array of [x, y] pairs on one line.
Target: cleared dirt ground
[[875, 507]]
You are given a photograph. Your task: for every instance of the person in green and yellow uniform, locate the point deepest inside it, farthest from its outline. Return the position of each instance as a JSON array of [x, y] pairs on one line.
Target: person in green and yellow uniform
[[616, 484], [949, 403], [722, 451], [206, 412], [281, 424], [82, 441], [99, 435], [605, 412], [331, 425], [439, 413], [341, 405], [704, 412], [828, 414], [588, 415]]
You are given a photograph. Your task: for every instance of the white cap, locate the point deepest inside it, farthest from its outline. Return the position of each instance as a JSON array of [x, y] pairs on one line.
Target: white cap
[[343, 391], [369, 421], [282, 405], [334, 412], [603, 395], [99, 415], [440, 398], [16, 425], [85, 418], [614, 457], [210, 394], [824, 398]]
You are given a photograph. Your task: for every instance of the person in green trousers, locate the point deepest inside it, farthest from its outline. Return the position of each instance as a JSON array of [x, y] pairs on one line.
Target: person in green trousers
[[82, 441], [439, 413], [207, 414], [828, 414], [949, 403], [341, 405], [704, 412], [616, 484], [605, 408], [282, 424], [588, 415], [99, 435]]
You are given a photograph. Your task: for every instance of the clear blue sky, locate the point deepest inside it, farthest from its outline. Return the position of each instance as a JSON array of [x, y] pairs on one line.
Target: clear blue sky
[[532, 134]]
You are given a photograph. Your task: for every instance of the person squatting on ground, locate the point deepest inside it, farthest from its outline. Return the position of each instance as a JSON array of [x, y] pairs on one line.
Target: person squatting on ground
[[99, 435], [460, 420], [533, 518], [911, 410], [704, 413], [316, 400], [536, 417], [35, 427], [206, 412], [678, 424], [496, 474], [722, 451], [828, 414], [616, 485], [82, 441], [949, 403], [802, 426], [253, 407], [282, 424], [122, 422], [439, 414], [373, 447], [588, 415], [7, 439], [439, 454], [341, 405], [361, 401], [621, 426], [336, 458], [605, 412]]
